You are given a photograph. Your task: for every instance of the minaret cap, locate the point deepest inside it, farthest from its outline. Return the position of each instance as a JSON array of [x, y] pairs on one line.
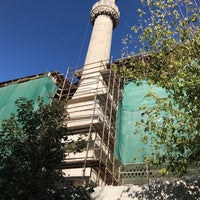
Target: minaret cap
[[105, 7]]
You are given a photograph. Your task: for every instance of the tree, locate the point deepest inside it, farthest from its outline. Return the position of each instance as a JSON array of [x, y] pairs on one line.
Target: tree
[[169, 35], [32, 147]]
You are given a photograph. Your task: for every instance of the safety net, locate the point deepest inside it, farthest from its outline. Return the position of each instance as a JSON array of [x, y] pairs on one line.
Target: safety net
[[129, 148], [31, 89]]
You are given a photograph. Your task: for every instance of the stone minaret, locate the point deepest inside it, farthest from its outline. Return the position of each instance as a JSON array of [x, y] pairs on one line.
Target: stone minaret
[[104, 17], [86, 109]]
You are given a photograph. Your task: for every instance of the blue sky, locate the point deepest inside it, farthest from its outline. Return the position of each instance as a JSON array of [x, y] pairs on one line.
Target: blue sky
[[37, 36]]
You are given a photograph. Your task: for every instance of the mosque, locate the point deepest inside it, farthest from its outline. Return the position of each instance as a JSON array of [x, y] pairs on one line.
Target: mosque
[[101, 106]]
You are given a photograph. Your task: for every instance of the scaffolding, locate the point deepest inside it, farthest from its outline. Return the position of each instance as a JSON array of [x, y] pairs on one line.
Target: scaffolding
[[92, 106]]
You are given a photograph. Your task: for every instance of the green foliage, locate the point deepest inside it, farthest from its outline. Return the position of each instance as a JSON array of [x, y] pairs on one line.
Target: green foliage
[[32, 147], [169, 35]]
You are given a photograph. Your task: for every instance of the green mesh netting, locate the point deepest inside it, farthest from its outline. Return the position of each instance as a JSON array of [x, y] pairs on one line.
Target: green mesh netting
[[129, 148], [31, 90]]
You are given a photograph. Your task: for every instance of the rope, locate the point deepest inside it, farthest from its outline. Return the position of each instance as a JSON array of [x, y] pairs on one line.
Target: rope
[[82, 44]]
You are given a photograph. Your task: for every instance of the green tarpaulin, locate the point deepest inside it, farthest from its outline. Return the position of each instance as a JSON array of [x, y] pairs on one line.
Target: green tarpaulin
[[129, 148], [32, 89]]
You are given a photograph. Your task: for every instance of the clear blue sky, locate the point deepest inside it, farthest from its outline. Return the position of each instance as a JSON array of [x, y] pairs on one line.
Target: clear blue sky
[[37, 36]]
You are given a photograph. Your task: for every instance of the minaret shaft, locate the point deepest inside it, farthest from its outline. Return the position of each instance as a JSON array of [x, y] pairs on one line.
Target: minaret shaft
[[100, 42]]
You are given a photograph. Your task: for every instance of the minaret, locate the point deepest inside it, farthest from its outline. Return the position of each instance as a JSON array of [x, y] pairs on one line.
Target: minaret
[[104, 17], [88, 113]]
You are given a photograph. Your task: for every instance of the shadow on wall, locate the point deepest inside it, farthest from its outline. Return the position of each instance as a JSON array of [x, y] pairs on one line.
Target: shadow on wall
[[188, 189]]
